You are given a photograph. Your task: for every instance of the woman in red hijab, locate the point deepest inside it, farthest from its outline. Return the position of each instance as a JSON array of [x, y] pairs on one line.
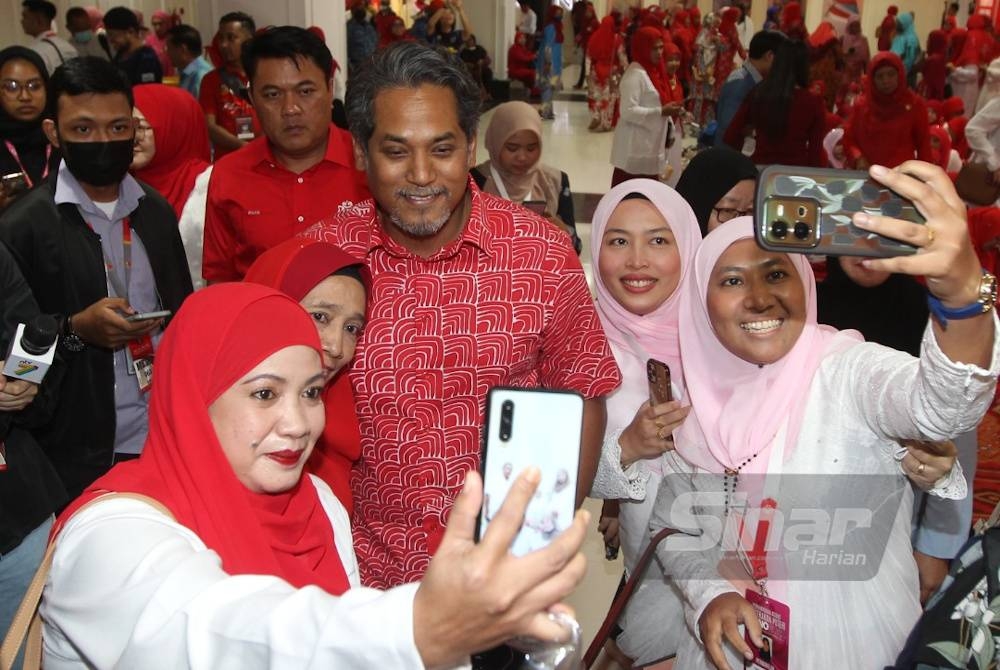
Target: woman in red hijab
[[826, 62], [230, 557], [606, 51], [889, 124], [934, 69], [977, 51], [680, 32], [792, 23], [521, 62], [172, 146], [729, 47], [887, 29], [956, 128], [331, 285]]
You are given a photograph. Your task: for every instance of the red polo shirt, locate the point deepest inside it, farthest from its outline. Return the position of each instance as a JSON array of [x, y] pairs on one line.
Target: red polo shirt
[[506, 304], [255, 203], [221, 101]]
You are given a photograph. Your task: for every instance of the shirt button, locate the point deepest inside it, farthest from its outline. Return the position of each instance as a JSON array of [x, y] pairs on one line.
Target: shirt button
[[301, 219], [300, 180]]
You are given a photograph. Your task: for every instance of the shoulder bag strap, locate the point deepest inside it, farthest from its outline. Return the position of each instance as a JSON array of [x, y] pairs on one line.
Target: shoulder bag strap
[[52, 44], [27, 623]]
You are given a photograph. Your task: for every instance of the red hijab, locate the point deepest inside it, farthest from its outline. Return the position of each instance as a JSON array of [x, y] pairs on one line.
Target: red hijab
[[951, 107], [956, 43], [887, 107], [956, 127], [181, 136], [295, 267], [219, 334], [942, 153], [979, 46], [642, 49]]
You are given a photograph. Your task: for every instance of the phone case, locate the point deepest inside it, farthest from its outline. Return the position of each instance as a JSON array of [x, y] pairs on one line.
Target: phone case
[[526, 427], [808, 210], [658, 374]]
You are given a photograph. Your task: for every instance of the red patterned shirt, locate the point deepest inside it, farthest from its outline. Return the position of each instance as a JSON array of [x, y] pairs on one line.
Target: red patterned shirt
[[505, 304]]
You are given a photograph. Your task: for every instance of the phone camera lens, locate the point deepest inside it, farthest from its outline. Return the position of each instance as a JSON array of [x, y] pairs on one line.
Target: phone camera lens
[[779, 229], [802, 230]]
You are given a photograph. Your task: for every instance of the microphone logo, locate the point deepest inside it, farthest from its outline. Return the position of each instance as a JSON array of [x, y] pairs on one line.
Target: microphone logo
[[24, 367]]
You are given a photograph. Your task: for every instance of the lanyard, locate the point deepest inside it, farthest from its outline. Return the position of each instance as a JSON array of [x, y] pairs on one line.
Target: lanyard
[[755, 560], [121, 290], [17, 159]]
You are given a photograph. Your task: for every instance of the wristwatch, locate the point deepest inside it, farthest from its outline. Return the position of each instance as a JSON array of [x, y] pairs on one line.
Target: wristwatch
[[986, 301], [70, 340]]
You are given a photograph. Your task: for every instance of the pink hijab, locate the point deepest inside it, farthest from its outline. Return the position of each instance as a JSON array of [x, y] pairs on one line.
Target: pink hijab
[[635, 338], [737, 407]]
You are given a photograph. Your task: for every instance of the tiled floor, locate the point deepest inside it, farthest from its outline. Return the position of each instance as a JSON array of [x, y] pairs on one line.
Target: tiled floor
[[584, 156]]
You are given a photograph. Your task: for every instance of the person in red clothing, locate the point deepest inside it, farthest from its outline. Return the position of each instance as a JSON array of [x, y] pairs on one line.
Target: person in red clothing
[[469, 291], [789, 119], [956, 129], [224, 97], [887, 29], [792, 22], [889, 124], [934, 68], [383, 21], [680, 31], [521, 62], [294, 175], [729, 47], [331, 285]]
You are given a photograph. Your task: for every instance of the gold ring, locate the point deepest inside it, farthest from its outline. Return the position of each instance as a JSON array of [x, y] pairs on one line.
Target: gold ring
[[920, 469], [930, 236]]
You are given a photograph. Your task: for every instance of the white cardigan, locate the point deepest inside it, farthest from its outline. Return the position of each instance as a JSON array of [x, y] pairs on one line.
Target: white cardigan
[[639, 144], [131, 588]]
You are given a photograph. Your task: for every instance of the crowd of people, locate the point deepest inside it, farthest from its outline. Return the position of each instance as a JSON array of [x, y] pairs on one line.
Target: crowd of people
[[327, 283]]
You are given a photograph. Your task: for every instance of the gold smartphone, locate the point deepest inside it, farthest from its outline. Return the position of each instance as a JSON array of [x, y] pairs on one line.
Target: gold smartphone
[[658, 374]]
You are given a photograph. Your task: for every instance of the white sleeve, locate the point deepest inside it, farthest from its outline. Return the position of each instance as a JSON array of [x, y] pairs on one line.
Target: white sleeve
[[932, 397], [192, 226], [613, 482], [979, 129], [129, 584], [631, 88]]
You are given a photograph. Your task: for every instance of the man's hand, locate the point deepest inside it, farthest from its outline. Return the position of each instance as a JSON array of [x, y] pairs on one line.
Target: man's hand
[[102, 324], [475, 596], [15, 394]]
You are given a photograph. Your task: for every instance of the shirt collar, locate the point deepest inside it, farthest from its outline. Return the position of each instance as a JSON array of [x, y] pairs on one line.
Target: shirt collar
[[475, 232], [754, 72], [338, 151], [192, 67], [69, 190]]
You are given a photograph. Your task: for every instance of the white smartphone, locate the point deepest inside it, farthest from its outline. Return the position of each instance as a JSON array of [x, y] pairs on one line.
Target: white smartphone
[[146, 316], [526, 427]]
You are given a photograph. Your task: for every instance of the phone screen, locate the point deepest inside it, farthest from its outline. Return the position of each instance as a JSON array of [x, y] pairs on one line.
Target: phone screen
[[536, 206], [532, 427], [14, 183]]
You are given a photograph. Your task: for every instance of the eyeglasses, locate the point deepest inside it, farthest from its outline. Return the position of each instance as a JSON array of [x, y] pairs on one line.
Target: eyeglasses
[[724, 214], [12, 87]]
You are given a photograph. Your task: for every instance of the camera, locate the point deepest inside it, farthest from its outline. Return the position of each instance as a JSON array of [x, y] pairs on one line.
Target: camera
[[779, 229], [506, 419], [802, 230]]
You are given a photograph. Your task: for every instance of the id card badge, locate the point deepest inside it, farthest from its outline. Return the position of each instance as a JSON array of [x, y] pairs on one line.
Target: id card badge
[[773, 617], [140, 361], [244, 128]]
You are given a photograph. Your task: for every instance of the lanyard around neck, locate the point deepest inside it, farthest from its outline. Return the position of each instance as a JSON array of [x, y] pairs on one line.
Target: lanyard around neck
[[501, 187], [121, 290]]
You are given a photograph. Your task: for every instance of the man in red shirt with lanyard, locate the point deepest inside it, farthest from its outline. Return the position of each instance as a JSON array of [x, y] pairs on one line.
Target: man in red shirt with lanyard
[[299, 172], [469, 291], [229, 114]]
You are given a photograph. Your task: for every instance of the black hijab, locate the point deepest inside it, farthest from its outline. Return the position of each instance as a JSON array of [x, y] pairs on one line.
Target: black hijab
[[893, 313], [27, 137], [709, 176]]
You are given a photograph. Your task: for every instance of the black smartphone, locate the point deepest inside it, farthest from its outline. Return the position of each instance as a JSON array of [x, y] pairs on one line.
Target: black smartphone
[[14, 183], [526, 427], [658, 375], [808, 210]]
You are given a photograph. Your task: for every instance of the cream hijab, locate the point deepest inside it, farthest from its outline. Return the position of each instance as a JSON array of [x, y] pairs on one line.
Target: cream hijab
[[540, 182]]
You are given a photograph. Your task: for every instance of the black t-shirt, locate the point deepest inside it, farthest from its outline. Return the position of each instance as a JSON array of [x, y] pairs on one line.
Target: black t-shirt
[[141, 67]]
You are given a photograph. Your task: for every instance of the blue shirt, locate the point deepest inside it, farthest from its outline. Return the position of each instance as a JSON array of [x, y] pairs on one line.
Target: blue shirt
[[131, 410], [193, 73], [734, 91]]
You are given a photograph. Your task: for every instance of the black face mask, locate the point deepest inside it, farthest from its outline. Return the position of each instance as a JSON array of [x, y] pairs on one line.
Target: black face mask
[[98, 163]]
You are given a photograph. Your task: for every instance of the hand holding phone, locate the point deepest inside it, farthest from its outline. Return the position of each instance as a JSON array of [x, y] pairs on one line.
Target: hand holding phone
[[14, 184], [148, 316]]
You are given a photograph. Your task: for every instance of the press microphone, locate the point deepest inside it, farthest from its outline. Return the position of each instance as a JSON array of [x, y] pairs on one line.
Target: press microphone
[[32, 349]]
